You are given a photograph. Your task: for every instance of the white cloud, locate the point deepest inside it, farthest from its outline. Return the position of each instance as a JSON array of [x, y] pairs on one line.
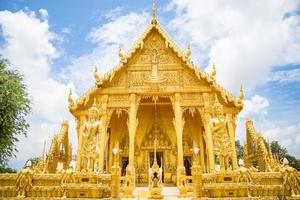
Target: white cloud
[[256, 109], [288, 136], [285, 76], [257, 106], [118, 31], [44, 13], [66, 30], [29, 48], [244, 39]]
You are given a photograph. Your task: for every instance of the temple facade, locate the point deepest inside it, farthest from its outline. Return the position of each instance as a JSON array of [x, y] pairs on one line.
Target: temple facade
[[156, 92], [156, 119]]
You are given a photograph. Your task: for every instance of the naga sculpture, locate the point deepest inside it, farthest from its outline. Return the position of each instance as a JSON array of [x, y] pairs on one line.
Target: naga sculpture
[[60, 152]]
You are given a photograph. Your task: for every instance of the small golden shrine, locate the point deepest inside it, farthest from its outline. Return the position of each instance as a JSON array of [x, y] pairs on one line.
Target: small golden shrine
[[156, 119]]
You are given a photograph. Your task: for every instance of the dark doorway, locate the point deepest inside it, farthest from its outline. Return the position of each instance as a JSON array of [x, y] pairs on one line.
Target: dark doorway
[[160, 161], [124, 165], [188, 165]]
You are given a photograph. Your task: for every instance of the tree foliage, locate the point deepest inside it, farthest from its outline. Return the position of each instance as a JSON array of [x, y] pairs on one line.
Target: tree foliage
[[283, 153], [14, 106], [4, 169], [239, 150]]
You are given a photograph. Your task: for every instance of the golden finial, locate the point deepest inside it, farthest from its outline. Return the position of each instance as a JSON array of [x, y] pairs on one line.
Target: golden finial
[[121, 55], [97, 77], [188, 52], [242, 93], [153, 9], [70, 99], [213, 72], [44, 151], [153, 21]]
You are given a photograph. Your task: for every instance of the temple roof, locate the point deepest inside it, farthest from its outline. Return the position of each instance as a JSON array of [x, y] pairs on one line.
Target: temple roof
[[184, 56]]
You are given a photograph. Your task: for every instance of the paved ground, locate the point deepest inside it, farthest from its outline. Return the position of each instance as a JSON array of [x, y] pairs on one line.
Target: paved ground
[[169, 193]]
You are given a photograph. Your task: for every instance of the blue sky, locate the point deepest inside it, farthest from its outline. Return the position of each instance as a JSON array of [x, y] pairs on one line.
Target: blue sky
[[56, 45]]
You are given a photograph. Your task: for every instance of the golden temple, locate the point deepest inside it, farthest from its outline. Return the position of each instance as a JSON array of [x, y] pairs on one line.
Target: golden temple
[[155, 120]]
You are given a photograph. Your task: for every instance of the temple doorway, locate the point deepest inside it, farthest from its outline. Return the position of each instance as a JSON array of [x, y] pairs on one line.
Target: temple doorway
[[160, 161], [188, 165], [124, 165]]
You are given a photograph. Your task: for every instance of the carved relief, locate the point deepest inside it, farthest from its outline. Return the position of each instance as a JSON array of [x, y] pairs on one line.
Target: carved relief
[[189, 79], [138, 78], [119, 81], [155, 41], [124, 145], [118, 99], [171, 77], [156, 133]]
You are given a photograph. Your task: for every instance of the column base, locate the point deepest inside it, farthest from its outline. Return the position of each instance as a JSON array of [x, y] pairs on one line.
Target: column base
[[129, 181], [181, 181]]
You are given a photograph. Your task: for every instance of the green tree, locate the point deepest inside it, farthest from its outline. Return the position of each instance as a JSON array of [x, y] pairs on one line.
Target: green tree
[[278, 149], [14, 106], [283, 153], [4, 169], [239, 149]]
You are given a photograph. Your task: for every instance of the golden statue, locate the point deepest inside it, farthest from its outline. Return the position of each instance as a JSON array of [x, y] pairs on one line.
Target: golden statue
[[89, 145], [24, 180], [220, 134]]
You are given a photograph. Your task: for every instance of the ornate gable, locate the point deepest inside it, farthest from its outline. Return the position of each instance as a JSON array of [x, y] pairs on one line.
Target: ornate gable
[[173, 65], [154, 41]]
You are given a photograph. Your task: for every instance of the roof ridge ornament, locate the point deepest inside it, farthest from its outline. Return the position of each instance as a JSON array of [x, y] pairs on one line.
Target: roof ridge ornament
[[242, 94], [153, 20], [188, 52], [213, 73], [70, 98], [97, 77]]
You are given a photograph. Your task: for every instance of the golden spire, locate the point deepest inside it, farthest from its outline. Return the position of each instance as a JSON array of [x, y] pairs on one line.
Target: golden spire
[[213, 72], [155, 165], [44, 151], [153, 9], [70, 99], [242, 93], [188, 52], [97, 77], [153, 21]]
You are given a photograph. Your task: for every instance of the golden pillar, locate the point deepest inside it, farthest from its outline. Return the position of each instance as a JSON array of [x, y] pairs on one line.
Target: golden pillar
[[231, 129], [202, 150], [103, 132], [179, 124], [132, 125]]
